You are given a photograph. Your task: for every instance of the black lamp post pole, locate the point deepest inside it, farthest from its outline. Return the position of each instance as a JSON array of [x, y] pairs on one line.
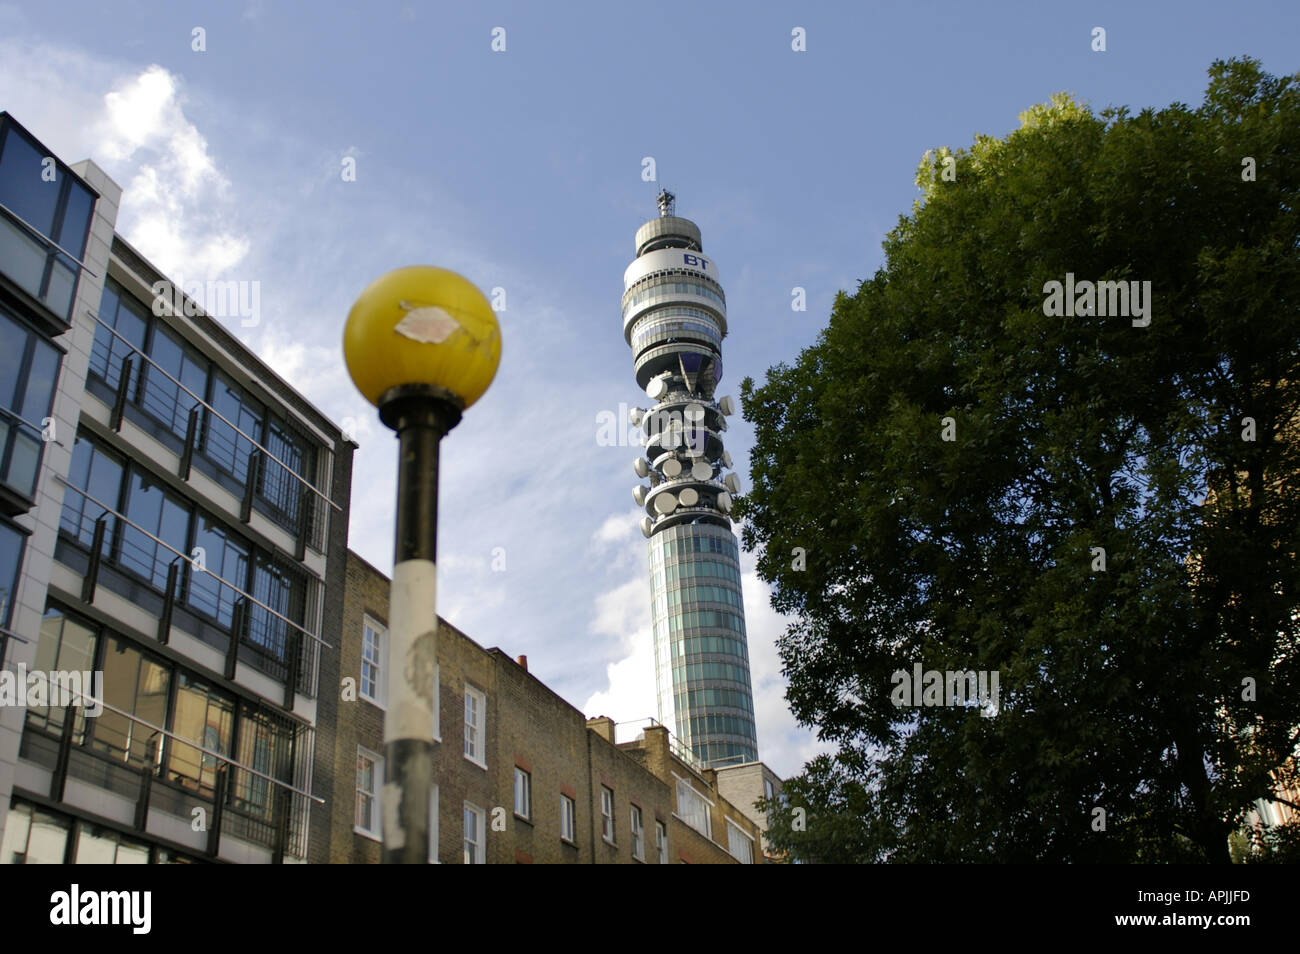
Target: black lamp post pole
[[421, 415]]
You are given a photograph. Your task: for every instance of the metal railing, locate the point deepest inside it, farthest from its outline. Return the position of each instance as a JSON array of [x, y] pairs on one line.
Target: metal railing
[[270, 826], [45, 239], [311, 663], [167, 416], [33, 265]]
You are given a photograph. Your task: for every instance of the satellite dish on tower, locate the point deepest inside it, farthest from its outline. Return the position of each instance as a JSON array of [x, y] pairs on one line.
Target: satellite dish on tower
[[646, 525], [672, 467], [689, 497], [726, 459], [666, 503], [701, 470], [727, 406], [638, 494], [634, 415], [656, 388], [724, 502], [641, 467], [733, 483]]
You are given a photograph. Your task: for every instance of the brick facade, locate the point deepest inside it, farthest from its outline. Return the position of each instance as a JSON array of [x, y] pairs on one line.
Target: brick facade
[[526, 726]]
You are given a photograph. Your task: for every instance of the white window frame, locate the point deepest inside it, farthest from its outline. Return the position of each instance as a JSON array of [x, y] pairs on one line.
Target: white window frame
[[748, 842], [437, 703], [380, 696], [526, 778], [608, 831], [638, 834], [480, 844], [433, 824], [568, 819], [376, 832], [480, 727], [661, 841], [706, 831]]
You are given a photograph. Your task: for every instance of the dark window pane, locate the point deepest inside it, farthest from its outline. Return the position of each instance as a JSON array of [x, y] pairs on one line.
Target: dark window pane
[[22, 188], [225, 556], [13, 345], [163, 516], [11, 557], [76, 219], [223, 446], [42, 374], [129, 319], [162, 397]]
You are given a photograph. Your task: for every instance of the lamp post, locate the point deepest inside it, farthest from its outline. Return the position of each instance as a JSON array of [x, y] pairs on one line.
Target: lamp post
[[421, 344]]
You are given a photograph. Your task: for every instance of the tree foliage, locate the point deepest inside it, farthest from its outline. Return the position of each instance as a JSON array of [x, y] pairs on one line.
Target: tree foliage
[[1121, 688]]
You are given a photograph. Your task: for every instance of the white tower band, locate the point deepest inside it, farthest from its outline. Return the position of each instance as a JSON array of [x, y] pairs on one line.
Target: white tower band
[[674, 319]]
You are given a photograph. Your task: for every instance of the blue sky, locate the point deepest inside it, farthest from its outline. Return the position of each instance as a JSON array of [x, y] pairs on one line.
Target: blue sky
[[522, 169]]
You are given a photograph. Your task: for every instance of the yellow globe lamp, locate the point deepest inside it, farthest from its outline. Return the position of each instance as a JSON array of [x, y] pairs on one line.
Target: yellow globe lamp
[[422, 326]]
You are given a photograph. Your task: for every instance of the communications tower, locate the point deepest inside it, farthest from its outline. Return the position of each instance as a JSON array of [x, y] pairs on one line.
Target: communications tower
[[674, 319]]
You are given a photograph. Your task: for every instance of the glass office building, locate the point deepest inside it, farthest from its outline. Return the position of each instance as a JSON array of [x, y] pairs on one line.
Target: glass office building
[[674, 319], [173, 518]]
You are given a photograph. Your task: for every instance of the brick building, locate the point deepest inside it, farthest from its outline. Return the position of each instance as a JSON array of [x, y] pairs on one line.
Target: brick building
[[520, 776]]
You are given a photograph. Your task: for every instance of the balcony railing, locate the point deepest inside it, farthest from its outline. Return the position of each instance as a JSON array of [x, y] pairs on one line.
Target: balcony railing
[[291, 499], [296, 663], [38, 266], [244, 802]]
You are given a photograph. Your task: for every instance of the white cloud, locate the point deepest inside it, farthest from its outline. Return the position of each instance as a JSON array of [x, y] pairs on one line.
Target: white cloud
[[175, 205], [623, 614]]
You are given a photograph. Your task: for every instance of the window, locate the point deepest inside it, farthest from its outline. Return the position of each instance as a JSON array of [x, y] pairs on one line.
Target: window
[[638, 835], [283, 589], [475, 720], [136, 684], [437, 703], [373, 640], [222, 444], [103, 846], [370, 777], [11, 558], [739, 843], [770, 794], [99, 473], [119, 311], [34, 837], [266, 744], [568, 819], [433, 824], [159, 513], [58, 209], [607, 814], [66, 644], [278, 488], [692, 807], [523, 793], [204, 714], [661, 842], [474, 835], [160, 396], [225, 555], [27, 377]]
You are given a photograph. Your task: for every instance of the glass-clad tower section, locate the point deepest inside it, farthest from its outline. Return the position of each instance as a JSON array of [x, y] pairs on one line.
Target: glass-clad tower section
[[674, 319]]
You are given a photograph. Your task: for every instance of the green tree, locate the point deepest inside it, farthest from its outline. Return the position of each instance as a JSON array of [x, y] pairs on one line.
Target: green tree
[[1120, 689]]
